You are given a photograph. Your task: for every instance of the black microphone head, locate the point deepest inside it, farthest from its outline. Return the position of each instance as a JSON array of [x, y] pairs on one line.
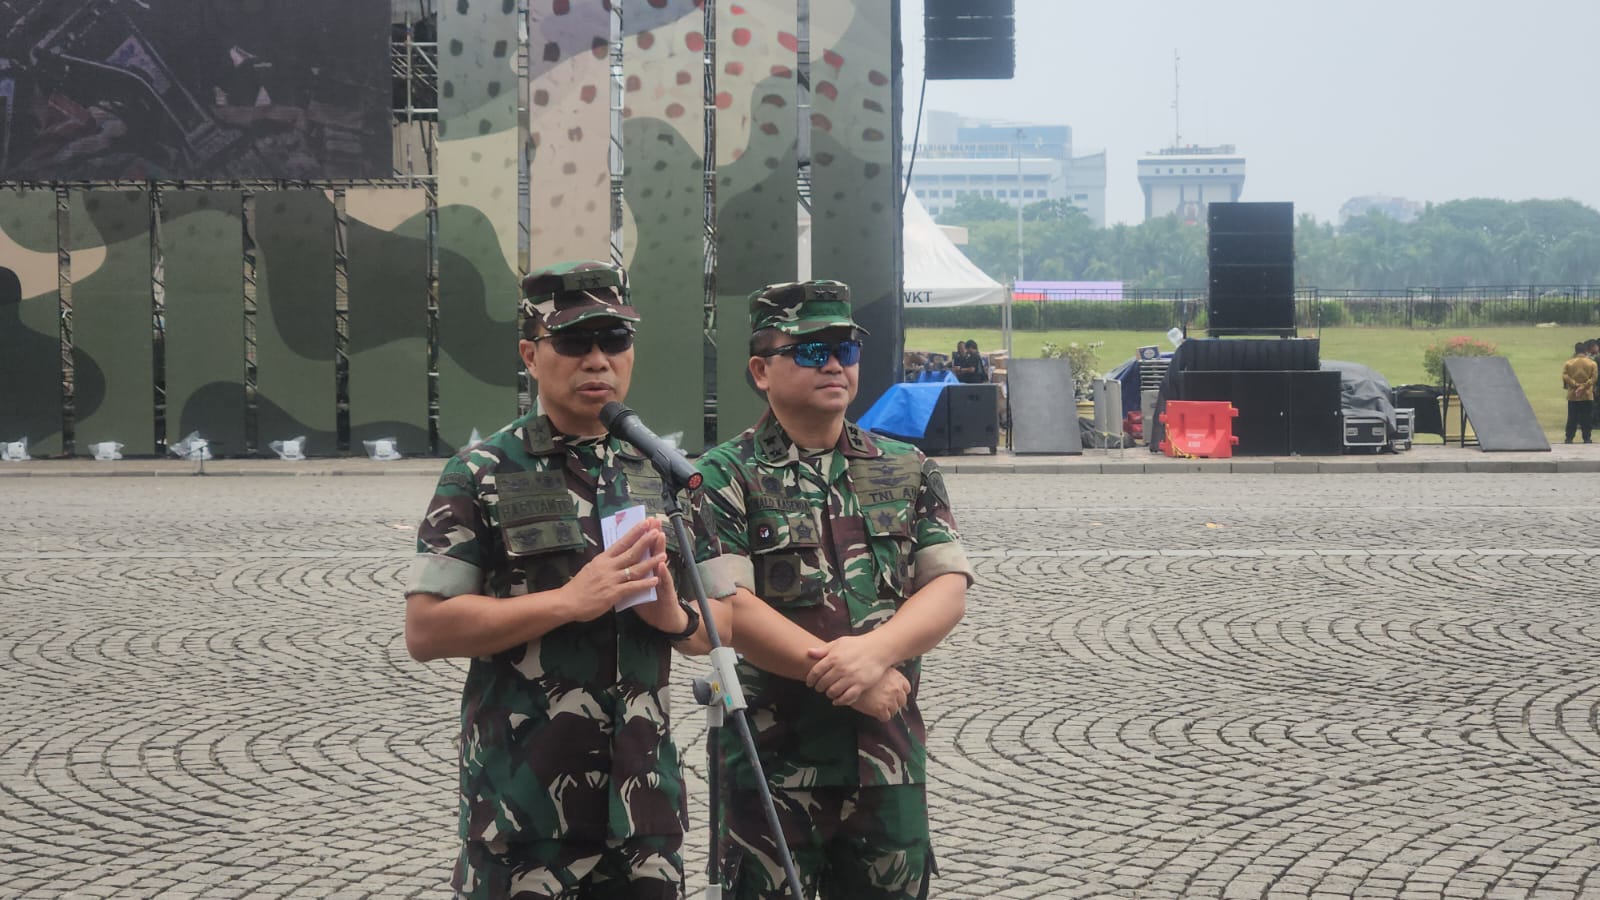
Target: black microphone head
[[613, 412]]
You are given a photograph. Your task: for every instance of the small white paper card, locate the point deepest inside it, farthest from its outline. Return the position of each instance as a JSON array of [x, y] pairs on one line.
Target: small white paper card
[[612, 528]]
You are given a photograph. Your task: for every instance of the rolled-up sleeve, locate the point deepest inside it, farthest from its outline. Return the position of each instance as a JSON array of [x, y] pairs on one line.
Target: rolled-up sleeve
[[452, 539], [432, 573], [938, 542], [722, 575], [721, 544], [940, 559]]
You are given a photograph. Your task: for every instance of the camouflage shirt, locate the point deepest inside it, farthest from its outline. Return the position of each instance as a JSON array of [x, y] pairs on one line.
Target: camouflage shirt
[[565, 736], [835, 541]]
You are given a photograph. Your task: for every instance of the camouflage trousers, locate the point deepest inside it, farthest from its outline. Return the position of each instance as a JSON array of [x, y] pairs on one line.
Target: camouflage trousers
[[848, 843], [641, 868]]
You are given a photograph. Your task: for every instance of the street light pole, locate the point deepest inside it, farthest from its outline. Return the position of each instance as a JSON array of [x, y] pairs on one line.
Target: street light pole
[[1019, 204]]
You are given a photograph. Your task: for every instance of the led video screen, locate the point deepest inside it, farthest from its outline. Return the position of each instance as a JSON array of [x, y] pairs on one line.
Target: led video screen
[[194, 89]]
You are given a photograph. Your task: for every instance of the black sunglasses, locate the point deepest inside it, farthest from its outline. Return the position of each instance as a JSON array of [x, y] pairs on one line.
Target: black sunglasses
[[578, 343], [814, 354]]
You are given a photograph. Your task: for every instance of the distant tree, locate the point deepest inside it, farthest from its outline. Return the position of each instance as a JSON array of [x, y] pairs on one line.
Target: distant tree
[[971, 208], [1474, 242]]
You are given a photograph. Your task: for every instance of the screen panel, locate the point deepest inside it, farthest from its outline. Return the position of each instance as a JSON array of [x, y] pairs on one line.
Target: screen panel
[[295, 329], [855, 220], [664, 146], [202, 248], [112, 329], [757, 200], [30, 316], [171, 89], [388, 273]]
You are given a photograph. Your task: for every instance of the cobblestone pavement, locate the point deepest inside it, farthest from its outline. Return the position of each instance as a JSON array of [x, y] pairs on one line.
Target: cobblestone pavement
[[1181, 686]]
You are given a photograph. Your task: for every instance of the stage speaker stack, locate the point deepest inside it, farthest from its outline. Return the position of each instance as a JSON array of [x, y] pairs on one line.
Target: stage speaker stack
[[973, 412], [1251, 252], [969, 39]]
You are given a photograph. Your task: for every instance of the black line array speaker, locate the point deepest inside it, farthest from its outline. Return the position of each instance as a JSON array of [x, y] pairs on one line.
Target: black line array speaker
[[1251, 251], [964, 416], [974, 415], [1212, 355], [969, 39], [1279, 412]]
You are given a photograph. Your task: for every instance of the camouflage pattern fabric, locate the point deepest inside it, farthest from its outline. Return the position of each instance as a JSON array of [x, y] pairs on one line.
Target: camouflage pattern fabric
[[663, 215], [477, 230], [567, 736], [388, 286], [835, 542], [202, 250], [855, 184], [295, 322], [30, 322], [109, 240], [757, 158], [644, 868], [867, 843], [802, 307]]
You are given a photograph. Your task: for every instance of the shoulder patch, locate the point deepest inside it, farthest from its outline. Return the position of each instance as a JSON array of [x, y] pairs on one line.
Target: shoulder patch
[[934, 479]]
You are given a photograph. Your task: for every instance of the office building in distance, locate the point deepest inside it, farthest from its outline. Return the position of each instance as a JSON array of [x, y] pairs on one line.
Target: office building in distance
[[1183, 181], [1013, 163]]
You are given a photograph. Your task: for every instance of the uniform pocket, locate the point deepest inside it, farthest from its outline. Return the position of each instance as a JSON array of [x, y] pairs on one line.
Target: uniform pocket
[[889, 529], [536, 513], [786, 553]]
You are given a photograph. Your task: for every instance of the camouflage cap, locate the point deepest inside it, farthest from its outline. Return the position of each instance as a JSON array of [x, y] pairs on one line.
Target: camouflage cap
[[567, 293], [801, 307]]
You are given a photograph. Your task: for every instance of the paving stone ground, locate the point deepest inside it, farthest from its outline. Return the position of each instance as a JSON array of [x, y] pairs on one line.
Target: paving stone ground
[[1182, 686]]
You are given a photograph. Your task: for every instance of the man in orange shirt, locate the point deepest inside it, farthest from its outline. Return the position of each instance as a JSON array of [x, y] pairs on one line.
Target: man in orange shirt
[[1578, 377]]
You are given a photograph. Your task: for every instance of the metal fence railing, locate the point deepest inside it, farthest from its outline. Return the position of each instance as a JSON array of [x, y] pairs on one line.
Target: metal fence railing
[[1315, 309]]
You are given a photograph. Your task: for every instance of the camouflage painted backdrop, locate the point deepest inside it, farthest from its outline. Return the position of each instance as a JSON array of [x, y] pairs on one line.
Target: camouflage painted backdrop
[[238, 288]]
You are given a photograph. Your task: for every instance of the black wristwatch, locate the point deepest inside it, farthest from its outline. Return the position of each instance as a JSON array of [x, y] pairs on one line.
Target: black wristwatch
[[690, 629]]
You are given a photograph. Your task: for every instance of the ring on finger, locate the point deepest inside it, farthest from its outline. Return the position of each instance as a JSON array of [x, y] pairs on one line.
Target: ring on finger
[[627, 573]]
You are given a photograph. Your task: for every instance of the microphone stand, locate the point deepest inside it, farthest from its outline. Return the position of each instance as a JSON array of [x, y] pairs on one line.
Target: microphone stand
[[721, 695]]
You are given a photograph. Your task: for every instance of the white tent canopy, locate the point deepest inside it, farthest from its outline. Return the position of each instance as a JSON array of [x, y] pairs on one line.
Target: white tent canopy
[[937, 272]]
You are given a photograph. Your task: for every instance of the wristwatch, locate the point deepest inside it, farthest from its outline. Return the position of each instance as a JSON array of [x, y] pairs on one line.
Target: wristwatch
[[690, 629]]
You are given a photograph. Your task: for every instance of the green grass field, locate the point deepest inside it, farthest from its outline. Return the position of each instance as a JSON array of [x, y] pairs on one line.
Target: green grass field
[[1536, 354]]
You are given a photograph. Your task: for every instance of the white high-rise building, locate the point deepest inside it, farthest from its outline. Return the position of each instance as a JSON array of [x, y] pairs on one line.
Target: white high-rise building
[[1186, 180], [1015, 164]]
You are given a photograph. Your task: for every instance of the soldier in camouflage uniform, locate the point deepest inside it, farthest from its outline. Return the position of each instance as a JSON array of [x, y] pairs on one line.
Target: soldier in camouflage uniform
[[840, 555], [570, 783]]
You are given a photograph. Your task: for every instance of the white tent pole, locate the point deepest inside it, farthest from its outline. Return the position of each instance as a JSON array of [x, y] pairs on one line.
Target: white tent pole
[[1005, 324]]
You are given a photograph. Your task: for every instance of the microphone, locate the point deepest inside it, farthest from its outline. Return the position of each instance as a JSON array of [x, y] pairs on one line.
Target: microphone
[[624, 423]]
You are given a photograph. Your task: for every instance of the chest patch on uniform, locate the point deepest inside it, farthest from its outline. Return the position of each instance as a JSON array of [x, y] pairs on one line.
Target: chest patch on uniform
[[536, 513], [782, 575], [764, 533]]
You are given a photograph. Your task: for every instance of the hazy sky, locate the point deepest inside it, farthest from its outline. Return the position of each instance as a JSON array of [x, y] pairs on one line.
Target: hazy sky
[[1430, 100]]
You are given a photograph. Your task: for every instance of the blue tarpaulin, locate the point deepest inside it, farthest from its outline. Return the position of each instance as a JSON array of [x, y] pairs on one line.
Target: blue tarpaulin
[[903, 410]]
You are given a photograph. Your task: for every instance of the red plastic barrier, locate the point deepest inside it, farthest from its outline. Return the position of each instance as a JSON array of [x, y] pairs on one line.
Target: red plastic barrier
[[1199, 428]]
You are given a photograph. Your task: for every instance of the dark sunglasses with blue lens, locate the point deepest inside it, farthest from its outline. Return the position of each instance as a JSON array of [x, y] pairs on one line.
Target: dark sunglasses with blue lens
[[578, 343], [814, 354]]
